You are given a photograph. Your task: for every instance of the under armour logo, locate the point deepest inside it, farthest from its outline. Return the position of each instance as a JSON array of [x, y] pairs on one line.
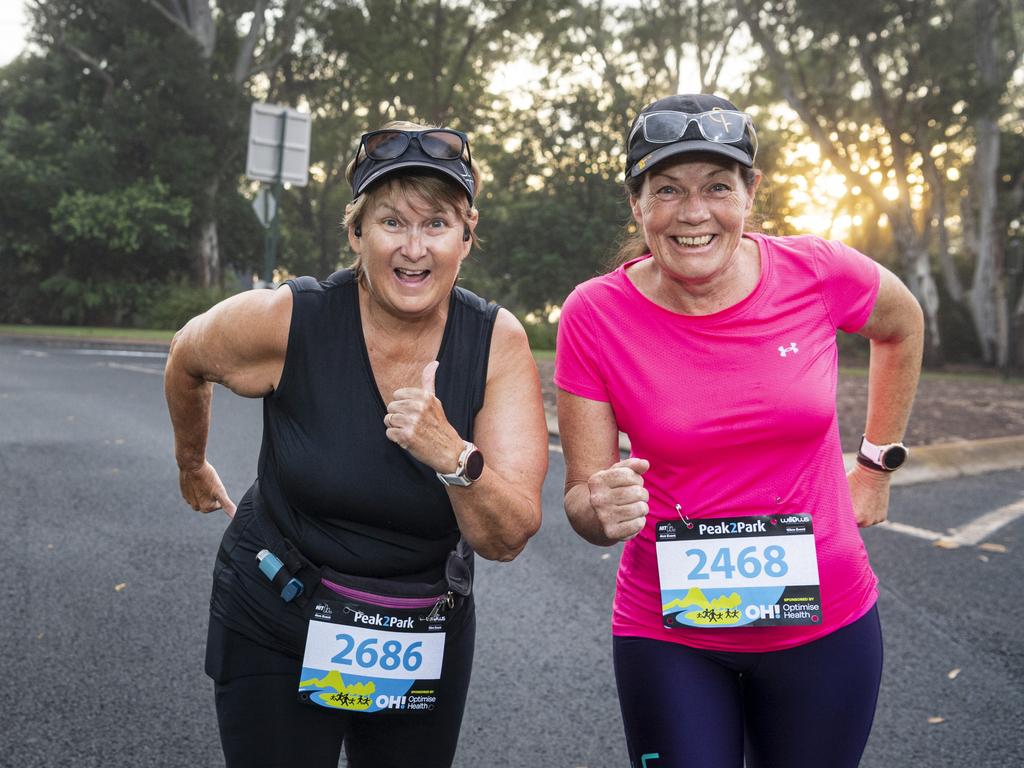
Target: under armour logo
[[783, 351]]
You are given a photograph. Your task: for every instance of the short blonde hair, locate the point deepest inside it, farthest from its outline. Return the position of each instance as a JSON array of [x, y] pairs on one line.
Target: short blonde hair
[[436, 189]]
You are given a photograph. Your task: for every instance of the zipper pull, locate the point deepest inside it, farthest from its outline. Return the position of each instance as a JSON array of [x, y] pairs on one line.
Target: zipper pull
[[446, 600]]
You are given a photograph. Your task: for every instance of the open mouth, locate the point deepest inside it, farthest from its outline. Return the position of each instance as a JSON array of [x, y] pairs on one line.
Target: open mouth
[[411, 276], [693, 242]]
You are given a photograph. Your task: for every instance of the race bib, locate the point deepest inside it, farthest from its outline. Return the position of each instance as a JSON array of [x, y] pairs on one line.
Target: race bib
[[363, 658], [758, 571]]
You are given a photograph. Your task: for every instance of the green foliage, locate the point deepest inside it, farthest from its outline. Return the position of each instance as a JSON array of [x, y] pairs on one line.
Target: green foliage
[[133, 229], [174, 305], [92, 301], [541, 333], [125, 138]]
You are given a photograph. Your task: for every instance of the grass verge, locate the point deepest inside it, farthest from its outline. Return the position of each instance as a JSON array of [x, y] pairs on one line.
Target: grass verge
[[125, 334]]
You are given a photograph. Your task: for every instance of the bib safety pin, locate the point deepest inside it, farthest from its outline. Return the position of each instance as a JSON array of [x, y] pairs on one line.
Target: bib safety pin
[[684, 518]]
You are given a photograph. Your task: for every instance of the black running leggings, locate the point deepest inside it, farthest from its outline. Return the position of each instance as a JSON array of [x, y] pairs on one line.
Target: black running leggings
[[804, 707], [263, 724]]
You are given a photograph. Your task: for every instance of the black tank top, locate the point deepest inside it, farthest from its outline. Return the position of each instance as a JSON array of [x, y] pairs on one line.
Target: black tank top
[[343, 493]]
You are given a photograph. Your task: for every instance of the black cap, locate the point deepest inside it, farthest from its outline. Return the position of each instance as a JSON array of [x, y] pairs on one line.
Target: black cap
[[642, 154], [369, 170]]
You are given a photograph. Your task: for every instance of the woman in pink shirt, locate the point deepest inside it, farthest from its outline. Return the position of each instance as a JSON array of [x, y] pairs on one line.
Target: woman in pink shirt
[[744, 619]]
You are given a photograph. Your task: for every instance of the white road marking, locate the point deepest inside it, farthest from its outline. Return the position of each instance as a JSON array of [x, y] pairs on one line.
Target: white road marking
[[969, 535], [982, 527], [117, 353], [136, 368], [911, 530]]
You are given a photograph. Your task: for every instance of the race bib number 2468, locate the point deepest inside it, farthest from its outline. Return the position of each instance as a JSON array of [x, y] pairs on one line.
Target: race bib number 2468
[[738, 572]]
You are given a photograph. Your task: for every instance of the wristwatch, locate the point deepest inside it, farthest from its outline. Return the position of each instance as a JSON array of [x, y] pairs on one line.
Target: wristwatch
[[887, 458], [471, 466]]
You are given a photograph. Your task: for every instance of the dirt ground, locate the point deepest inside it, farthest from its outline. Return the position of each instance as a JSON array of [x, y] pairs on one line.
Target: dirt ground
[[948, 407]]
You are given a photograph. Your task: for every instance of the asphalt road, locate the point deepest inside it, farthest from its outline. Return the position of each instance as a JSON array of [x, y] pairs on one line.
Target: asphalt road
[[107, 576]]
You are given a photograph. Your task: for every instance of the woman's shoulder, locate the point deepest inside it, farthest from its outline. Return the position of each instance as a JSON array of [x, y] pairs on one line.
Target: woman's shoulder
[[606, 293], [789, 244], [474, 303], [311, 285]]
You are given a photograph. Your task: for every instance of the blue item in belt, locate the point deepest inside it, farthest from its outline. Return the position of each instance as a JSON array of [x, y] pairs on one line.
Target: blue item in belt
[[273, 569]]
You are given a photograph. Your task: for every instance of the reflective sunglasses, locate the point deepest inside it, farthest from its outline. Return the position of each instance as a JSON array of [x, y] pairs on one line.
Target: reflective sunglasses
[[439, 143], [722, 126]]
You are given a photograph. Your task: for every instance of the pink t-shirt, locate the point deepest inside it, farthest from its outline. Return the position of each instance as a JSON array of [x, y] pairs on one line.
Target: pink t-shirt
[[733, 421]]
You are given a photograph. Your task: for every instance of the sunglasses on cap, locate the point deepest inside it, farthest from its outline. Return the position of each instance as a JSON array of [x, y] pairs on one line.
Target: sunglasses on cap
[[439, 143], [722, 126]]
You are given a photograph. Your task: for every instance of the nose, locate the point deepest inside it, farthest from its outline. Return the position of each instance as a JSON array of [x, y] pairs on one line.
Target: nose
[[414, 247], [693, 209]]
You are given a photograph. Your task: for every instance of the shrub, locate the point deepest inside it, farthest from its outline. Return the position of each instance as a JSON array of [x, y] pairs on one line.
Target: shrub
[[175, 304]]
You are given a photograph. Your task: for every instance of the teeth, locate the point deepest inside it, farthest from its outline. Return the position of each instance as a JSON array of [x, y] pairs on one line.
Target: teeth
[[692, 241], [411, 272]]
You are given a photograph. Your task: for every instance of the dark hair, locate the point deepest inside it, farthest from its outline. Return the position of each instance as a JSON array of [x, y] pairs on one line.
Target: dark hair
[[631, 240]]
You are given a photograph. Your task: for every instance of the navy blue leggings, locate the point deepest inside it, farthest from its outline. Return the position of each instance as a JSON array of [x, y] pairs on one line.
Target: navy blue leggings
[[804, 707]]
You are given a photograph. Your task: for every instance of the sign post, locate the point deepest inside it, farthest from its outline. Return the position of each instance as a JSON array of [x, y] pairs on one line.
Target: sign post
[[278, 152]]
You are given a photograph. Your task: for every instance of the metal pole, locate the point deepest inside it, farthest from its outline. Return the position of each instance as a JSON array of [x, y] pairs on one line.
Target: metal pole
[[274, 229]]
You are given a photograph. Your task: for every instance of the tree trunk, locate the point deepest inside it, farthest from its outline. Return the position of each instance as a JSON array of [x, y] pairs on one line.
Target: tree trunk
[[915, 264], [208, 268], [950, 277], [196, 18], [987, 310]]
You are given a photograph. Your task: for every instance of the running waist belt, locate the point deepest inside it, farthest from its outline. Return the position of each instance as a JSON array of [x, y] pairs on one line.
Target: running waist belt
[[296, 578]]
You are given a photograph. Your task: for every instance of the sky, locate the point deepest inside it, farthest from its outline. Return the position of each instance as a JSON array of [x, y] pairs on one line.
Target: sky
[[12, 29]]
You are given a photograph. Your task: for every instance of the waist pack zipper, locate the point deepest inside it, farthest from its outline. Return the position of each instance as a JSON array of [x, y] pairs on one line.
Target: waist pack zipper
[[447, 600], [436, 604]]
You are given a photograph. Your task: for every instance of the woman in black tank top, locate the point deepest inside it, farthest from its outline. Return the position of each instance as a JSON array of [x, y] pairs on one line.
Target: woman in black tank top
[[342, 613]]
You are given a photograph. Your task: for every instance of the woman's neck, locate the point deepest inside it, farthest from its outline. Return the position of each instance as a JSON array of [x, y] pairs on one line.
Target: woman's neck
[[700, 298]]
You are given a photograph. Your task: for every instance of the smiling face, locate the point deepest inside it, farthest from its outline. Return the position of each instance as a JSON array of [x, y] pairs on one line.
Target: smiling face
[[410, 250], [692, 214]]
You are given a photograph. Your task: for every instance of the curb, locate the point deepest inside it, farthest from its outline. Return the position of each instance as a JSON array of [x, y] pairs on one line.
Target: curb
[[927, 463], [84, 342], [963, 458]]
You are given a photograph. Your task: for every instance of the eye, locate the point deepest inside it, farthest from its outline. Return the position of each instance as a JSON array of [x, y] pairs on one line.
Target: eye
[[666, 192], [437, 224], [719, 188], [389, 222]]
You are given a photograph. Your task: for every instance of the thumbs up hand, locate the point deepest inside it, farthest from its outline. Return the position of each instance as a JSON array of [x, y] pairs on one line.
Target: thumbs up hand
[[415, 420], [428, 376]]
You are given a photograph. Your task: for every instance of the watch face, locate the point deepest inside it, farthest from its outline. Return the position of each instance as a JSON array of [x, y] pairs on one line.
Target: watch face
[[894, 457], [474, 465]]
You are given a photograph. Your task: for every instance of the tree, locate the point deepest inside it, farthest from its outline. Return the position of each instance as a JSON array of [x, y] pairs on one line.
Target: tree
[[104, 39], [231, 59], [996, 50], [847, 83], [364, 63], [883, 92]]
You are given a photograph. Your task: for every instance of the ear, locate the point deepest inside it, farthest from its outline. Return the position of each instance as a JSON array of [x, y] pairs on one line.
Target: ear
[[634, 207], [355, 239], [354, 232], [470, 228], [752, 192]]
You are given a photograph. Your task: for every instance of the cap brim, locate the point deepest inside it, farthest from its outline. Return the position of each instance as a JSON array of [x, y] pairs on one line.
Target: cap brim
[[392, 167], [646, 162]]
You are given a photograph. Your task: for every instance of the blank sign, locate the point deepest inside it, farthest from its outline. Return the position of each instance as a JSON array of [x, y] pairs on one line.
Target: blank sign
[[272, 127]]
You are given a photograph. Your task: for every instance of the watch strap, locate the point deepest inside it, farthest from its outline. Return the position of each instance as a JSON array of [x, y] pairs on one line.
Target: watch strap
[[459, 477], [873, 456]]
